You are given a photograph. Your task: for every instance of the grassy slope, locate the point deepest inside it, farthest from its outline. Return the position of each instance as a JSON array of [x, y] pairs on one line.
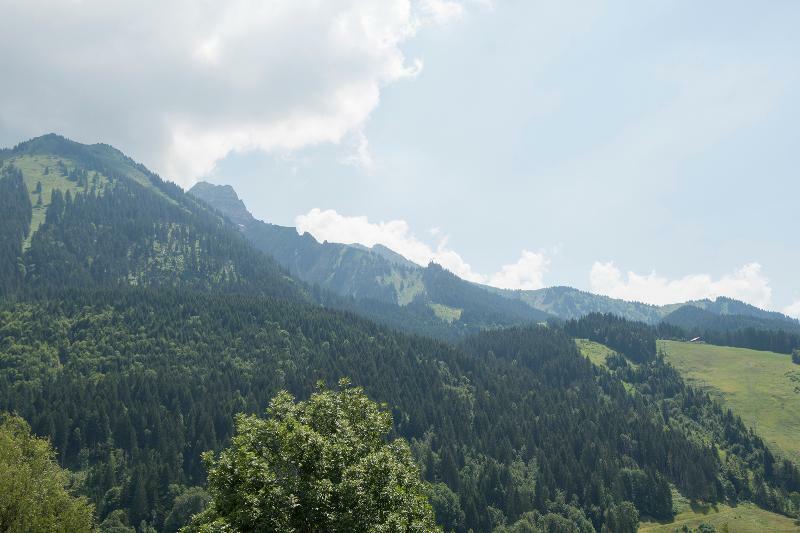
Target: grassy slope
[[407, 285], [33, 172], [596, 352], [761, 387], [443, 312], [744, 518]]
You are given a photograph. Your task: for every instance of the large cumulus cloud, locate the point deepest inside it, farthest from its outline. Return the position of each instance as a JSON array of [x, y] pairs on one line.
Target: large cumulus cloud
[[180, 84]]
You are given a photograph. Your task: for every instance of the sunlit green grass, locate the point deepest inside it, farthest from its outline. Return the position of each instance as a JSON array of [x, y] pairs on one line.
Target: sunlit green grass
[[744, 518], [761, 387], [33, 169], [596, 352], [445, 313], [407, 285], [758, 386]]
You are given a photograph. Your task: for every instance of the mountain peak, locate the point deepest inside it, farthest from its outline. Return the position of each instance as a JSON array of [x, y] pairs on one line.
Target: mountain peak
[[225, 199], [53, 143]]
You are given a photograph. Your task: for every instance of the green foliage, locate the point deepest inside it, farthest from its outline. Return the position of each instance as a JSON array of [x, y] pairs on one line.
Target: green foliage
[[621, 518], [116, 522], [318, 465], [446, 506], [635, 340], [33, 488], [796, 356], [16, 210], [765, 333], [186, 503], [559, 517], [132, 385], [130, 236]]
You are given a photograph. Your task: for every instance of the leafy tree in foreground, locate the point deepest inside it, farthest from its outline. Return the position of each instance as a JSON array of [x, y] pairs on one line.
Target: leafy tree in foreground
[[33, 496], [317, 465]]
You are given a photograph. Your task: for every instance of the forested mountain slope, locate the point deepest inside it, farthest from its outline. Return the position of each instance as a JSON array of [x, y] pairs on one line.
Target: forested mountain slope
[[82, 215], [133, 384], [746, 331]]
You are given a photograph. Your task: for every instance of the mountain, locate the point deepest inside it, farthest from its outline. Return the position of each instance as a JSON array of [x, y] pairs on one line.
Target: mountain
[[376, 273], [724, 306], [90, 216], [698, 318], [136, 322], [385, 277], [568, 303]]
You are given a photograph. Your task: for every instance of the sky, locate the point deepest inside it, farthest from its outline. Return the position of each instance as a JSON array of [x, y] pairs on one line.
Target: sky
[[645, 150]]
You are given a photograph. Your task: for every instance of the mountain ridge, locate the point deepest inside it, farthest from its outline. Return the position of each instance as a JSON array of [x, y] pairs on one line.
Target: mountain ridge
[[562, 302], [376, 273]]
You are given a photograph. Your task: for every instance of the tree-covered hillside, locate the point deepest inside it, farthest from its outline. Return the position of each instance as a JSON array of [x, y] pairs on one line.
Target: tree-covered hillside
[[746, 331], [100, 219], [133, 385]]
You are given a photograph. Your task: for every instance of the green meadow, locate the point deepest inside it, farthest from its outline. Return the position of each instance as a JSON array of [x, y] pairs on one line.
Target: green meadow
[[744, 518], [761, 387], [596, 352], [44, 169]]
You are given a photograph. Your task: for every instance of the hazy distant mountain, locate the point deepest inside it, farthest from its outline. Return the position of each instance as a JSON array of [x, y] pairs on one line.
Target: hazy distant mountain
[[376, 273], [382, 274], [697, 318], [728, 306], [566, 303]]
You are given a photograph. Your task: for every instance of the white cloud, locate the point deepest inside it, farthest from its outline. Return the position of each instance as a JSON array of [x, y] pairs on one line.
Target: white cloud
[[527, 273], [181, 84], [328, 225], [747, 283], [792, 310], [441, 11]]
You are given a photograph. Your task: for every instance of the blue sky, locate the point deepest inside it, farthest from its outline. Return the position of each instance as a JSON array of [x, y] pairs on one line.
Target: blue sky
[[660, 136], [646, 150]]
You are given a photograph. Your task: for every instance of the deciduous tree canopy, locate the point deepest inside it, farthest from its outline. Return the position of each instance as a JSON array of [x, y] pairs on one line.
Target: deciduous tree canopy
[[318, 465]]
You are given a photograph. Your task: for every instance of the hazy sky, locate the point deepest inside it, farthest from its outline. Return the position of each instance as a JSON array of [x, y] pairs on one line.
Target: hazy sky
[[646, 150]]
